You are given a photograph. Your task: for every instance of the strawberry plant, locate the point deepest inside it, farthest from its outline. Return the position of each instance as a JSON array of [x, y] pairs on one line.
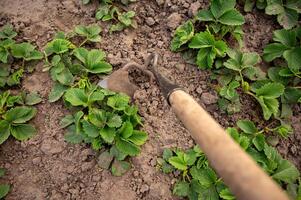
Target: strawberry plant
[[108, 122], [108, 11], [199, 181], [68, 63], [15, 110], [4, 188], [223, 18], [101, 118], [15, 113]]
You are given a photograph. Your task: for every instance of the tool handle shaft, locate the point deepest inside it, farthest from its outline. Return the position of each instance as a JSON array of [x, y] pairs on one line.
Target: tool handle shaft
[[237, 169]]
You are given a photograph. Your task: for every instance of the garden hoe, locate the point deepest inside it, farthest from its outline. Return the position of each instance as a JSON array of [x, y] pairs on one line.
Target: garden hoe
[[238, 170]]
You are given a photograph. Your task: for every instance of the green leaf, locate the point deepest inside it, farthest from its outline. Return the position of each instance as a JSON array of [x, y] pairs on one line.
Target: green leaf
[[183, 34], [22, 131], [126, 18], [90, 129], [20, 114], [288, 19], [118, 101], [259, 142], [247, 126], [7, 32], [269, 106], [108, 134], [77, 97], [97, 117], [226, 194], [293, 59], [274, 9], [219, 7], [32, 99], [58, 46], [4, 131], [285, 37], [205, 176], [4, 189], [105, 159], [91, 32], [117, 27], [3, 54], [205, 15], [286, 172], [181, 189], [67, 121], [119, 168], [117, 154], [102, 11], [127, 147], [167, 153], [270, 90], [232, 18], [2, 172], [250, 59], [57, 92], [114, 121], [26, 51], [202, 40], [178, 163], [272, 51], [72, 137], [138, 137], [93, 60], [126, 130]]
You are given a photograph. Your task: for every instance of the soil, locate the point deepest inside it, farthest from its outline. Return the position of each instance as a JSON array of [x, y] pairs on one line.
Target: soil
[[46, 167]]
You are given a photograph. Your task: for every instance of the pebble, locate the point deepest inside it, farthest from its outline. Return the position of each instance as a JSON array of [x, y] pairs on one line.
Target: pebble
[[51, 146], [193, 9], [160, 2], [208, 98], [199, 90], [136, 174], [174, 20], [180, 67], [36, 160], [87, 165], [144, 188], [150, 21], [153, 162]]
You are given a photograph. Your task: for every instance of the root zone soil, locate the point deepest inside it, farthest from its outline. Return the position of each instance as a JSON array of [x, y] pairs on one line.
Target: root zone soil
[[46, 167]]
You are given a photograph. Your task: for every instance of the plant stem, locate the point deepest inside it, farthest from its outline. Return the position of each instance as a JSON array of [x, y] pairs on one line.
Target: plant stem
[[83, 42]]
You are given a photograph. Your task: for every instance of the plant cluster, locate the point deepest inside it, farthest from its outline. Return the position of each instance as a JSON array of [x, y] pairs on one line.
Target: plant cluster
[[287, 11], [239, 72], [199, 181], [101, 118], [15, 107], [109, 11]]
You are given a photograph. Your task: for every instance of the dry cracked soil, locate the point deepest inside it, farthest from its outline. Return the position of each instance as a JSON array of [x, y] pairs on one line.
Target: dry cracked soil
[[46, 167]]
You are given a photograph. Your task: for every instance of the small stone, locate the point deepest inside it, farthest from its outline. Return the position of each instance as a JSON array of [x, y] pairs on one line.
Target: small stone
[[193, 9], [87, 165], [199, 90], [174, 20], [180, 67], [160, 2], [136, 174], [36, 160], [153, 162], [150, 21], [51, 146], [96, 178], [144, 188], [208, 98]]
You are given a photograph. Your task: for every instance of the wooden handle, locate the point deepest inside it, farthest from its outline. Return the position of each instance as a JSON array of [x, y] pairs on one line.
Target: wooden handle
[[242, 174]]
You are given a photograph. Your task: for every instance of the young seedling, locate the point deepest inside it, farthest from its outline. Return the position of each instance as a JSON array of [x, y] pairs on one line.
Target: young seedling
[[14, 118]]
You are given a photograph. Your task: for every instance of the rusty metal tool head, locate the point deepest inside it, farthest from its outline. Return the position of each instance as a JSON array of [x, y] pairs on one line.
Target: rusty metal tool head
[[119, 80]]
